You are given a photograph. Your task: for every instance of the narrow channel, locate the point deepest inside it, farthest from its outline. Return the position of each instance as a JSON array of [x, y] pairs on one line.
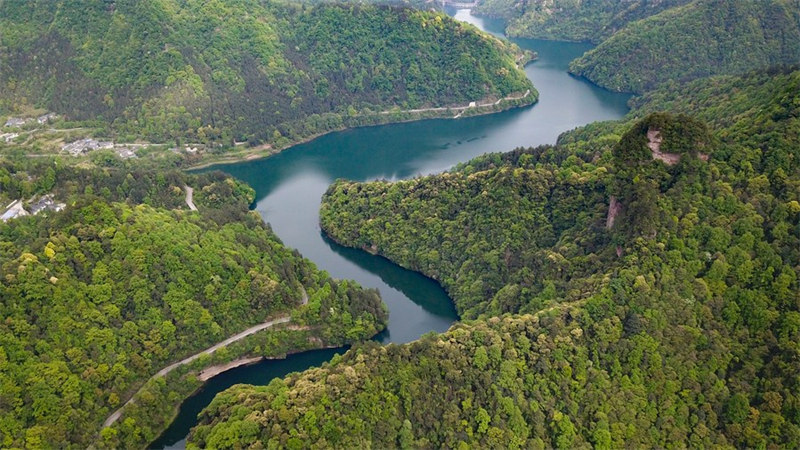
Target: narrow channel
[[289, 187]]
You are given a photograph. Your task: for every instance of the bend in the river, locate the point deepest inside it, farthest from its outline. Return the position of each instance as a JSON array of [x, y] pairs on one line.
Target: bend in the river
[[289, 187]]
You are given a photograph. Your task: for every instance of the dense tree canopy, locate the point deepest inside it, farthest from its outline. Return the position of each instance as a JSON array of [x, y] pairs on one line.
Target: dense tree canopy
[[678, 325], [703, 38], [98, 297], [242, 70], [571, 20]]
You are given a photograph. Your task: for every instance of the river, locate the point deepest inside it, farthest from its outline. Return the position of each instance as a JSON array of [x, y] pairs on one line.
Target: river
[[290, 184]]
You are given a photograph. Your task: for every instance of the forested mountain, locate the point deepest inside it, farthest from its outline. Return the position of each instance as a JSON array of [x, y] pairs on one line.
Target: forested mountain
[[705, 37], [100, 296], [571, 20], [645, 271], [245, 70]]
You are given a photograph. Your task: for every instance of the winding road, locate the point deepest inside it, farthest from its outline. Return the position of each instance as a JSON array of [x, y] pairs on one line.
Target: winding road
[[236, 337], [459, 108], [189, 194]]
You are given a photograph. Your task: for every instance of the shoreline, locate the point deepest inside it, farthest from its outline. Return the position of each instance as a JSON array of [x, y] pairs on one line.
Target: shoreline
[[164, 371], [520, 100], [437, 113], [212, 371], [255, 360]]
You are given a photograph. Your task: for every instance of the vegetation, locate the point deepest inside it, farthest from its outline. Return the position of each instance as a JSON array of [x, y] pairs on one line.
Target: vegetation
[[705, 37], [510, 218], [100, 296], [219, 72], [571, 20], [676, 325]]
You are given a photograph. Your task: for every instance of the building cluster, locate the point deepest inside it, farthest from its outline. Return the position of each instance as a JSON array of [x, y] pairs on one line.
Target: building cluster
[[19, 122], [44, 203], [84, 146]]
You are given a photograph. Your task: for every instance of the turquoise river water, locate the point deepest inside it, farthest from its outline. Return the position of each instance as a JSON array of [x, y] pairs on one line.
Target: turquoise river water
[[290, 184]]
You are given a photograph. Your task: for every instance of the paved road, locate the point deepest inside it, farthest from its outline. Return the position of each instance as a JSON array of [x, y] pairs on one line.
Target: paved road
[[189, 194], [237, 337], [459, 108]]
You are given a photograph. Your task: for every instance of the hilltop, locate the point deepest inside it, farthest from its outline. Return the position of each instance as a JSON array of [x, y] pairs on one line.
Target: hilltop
[[675, 325]]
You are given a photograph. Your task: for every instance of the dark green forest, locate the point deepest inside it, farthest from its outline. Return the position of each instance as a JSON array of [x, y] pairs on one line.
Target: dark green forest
[[219, 72], [703, 38], [571, 20], [675, 324], [124, 281], [635, 284]]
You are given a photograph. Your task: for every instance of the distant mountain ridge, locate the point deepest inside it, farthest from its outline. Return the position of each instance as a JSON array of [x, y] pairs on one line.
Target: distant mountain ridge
[[703, 38], [643, 44], [572, 20], [224, 71]]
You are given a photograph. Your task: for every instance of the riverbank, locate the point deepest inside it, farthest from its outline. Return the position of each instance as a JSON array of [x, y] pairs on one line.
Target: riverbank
[[163, 372], [235, 338], [289, 188], [212, 371], [387, 117], [188, 382]]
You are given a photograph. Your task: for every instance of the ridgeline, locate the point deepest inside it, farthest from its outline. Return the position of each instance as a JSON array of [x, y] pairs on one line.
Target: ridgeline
[[677, 324]]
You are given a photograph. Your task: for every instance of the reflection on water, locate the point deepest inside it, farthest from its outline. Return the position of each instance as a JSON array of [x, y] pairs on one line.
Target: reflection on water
[[259, 374], [289, 187]]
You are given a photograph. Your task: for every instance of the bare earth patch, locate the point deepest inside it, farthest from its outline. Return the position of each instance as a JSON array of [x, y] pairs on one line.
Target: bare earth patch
[[654, 144]]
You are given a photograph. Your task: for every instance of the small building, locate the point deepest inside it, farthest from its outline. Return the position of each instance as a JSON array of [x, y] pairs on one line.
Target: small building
[[15, 122], [13, 210], [47, 118], [44, 204], [83, 146], [126, 152]]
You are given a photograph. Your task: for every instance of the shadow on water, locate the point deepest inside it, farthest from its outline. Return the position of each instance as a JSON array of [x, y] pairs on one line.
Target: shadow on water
[[424, 291], [257, 374], [289, 186], [386, 151]]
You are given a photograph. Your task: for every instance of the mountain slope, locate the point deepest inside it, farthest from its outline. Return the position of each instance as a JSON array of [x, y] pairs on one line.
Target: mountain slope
[[676, 323], [705, 37], [571, 20], [218, 71], [100, 296]]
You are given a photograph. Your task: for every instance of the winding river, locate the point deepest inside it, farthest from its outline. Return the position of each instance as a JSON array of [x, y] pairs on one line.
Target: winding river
[[289, 187]]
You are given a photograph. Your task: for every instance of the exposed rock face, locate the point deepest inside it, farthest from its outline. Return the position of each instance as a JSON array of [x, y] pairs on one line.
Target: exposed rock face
[[614, 208], [654, 144]]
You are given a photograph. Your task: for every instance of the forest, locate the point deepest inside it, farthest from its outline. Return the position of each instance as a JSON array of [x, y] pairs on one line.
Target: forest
[[703, 38], [220, 72], [571, 20], [669, 320], [645, 44], [126, 280], [633, 285]]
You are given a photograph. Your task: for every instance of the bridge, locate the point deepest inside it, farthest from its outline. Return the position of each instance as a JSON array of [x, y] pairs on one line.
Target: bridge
[[460, 4]]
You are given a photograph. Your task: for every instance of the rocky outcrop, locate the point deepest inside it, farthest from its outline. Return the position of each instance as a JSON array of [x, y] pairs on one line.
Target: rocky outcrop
[[614, 208], [654, 144]]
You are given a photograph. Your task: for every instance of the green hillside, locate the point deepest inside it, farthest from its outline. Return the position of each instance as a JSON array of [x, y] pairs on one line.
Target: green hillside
[[100, 296], [571, 20], [674, 322], [705, 37], [215, 72]]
